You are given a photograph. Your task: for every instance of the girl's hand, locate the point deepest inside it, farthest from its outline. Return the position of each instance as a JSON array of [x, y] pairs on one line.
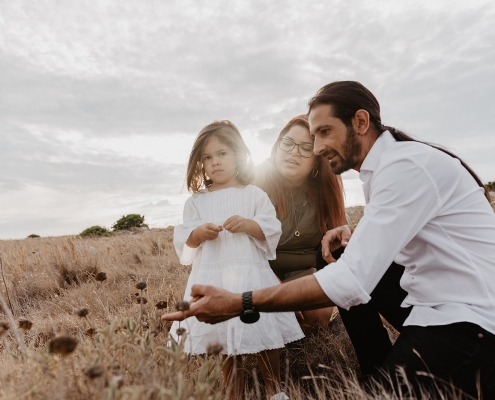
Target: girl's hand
[[203, 232], [236, 224]]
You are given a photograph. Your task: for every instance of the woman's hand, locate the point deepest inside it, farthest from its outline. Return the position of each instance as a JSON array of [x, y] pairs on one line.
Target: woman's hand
[[203, 232], [334, 239]]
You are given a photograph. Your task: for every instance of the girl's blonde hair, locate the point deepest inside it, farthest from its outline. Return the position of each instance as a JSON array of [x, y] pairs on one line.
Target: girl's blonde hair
[[227, 133]]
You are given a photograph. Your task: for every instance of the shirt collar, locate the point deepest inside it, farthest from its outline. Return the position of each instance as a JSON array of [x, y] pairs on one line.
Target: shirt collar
[[373, 156]]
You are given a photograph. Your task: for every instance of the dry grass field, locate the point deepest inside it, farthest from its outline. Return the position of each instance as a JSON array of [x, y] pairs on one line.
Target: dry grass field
[[80, 329]]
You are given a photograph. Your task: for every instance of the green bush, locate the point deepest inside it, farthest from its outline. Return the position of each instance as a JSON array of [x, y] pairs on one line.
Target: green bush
[[129, 221], [96, 231], [490, 186], [33, 235]]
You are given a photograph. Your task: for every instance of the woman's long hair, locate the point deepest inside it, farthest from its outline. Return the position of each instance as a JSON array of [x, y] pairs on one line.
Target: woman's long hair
[[346, 97], [325, 190], [227, 133]]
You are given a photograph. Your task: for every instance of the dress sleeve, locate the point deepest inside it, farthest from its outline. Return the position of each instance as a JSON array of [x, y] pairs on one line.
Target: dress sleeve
[[182, 231], [266, 218]]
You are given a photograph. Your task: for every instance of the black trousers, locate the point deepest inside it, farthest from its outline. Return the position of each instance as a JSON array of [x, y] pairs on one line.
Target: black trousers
[[460, 354], [363, 323]]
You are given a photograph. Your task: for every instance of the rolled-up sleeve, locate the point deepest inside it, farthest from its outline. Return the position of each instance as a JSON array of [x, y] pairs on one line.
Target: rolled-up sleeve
[[341, 286], [403, 199]]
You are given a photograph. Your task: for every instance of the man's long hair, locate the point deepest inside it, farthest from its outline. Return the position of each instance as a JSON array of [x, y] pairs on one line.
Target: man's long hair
[[347, 97], [325, 189]]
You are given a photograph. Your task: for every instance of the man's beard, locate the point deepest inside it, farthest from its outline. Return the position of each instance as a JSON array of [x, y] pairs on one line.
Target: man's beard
[[351, 152]]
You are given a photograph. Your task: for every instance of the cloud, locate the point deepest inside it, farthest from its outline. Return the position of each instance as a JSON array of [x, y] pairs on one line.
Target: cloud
[[101, 100]]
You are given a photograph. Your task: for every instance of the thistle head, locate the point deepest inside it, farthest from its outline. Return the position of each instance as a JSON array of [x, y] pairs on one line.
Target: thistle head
[[214, 348], [161, 305], [90, 332], [82, 312], [182, 305], [101, 276], [63, 345], [141, 300], [4, 327], [25, 324], [180, 331], [95, 371]]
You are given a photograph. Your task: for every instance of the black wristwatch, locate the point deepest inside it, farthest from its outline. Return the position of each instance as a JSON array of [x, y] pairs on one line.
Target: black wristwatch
[[249, 314]]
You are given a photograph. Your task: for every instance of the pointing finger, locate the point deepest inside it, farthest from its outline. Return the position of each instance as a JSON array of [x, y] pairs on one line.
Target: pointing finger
[[176, 316]]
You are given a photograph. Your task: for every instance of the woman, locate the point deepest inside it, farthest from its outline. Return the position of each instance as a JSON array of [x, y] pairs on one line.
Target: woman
[[309, 201]]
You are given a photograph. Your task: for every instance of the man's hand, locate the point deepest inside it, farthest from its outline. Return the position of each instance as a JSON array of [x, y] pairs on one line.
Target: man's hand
[[334, 239], [210, 304], [203, 232]]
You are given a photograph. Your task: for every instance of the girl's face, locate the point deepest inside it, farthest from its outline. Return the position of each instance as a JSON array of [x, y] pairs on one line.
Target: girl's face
[[291, 164], [220, 164]]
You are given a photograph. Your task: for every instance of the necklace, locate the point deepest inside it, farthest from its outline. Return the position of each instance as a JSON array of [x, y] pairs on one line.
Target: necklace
[[300, 210]]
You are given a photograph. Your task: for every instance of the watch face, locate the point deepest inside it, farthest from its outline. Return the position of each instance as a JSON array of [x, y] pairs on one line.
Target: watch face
[[250, 316]]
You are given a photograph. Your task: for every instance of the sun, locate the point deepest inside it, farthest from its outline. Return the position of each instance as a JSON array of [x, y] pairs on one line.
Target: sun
[[259, 151]]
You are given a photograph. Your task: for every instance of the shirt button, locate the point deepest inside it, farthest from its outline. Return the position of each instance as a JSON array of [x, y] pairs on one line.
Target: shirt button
[[480, 335]]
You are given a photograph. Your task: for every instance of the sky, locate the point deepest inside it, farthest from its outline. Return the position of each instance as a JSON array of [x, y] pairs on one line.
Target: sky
[[100, 101]]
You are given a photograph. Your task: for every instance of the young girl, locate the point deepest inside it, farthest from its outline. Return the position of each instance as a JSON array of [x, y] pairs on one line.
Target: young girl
[[229, 233]]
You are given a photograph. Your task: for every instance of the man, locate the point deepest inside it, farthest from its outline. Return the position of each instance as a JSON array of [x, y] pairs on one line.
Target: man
[[427, 211]]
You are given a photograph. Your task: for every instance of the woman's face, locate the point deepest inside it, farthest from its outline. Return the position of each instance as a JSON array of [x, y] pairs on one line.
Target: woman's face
[[290, 164]]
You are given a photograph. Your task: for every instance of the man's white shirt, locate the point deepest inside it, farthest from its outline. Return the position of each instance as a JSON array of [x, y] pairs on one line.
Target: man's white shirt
[[426, 212]]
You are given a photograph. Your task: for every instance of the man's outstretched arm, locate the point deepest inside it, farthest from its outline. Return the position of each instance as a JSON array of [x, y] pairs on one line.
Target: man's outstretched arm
[[212, 305]]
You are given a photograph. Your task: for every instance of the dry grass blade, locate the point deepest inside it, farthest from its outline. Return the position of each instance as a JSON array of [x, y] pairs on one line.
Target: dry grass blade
[[6, 287]]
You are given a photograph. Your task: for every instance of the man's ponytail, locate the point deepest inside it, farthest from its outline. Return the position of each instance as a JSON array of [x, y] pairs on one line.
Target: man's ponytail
[[403, 137]]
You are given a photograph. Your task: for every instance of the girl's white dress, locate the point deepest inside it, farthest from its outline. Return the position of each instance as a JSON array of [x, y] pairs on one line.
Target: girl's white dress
[[236, 262]]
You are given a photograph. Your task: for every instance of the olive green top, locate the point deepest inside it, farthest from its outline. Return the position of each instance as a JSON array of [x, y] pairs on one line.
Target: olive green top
[[297, 253]]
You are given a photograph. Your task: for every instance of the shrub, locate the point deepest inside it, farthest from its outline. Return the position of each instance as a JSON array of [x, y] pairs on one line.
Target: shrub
[[490, 186], [96, 231], [33, 235], [129, 221]]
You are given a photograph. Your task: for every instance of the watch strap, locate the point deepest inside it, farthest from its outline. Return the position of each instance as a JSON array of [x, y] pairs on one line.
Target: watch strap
[[247, 301]]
